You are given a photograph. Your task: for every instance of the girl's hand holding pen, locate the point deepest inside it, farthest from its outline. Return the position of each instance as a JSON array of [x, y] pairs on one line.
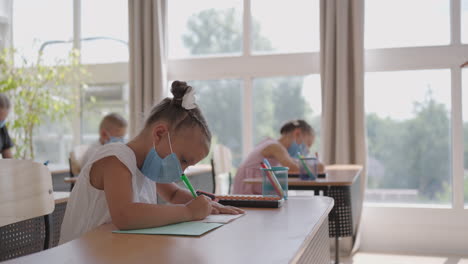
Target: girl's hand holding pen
[[199, 208]]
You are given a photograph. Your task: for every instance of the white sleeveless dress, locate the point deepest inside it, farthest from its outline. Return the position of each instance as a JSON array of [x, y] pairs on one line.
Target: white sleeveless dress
[[87, 206]]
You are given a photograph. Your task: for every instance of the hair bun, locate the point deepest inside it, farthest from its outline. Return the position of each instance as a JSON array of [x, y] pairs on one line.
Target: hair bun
[[178, 89]]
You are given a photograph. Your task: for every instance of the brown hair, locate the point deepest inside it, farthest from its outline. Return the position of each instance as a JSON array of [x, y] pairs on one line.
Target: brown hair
[[113, 119], [171, 110], [4, 101], [299, 123]]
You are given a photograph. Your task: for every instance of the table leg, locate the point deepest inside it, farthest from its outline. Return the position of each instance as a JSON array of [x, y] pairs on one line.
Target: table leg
[[337, 235], [337, 250]]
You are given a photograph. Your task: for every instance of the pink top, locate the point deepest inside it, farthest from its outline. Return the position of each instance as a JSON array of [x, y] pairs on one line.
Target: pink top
[[250, 168]]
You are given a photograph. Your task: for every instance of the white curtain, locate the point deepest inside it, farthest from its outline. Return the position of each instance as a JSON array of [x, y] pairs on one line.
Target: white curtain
[[342, 73], [147, 20]]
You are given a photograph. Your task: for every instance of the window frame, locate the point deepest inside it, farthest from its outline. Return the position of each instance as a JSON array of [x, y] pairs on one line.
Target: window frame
[[245, 67], [100, 74]]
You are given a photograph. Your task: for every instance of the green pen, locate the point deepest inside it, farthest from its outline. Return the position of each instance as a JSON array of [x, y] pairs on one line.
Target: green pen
[[188, 184]]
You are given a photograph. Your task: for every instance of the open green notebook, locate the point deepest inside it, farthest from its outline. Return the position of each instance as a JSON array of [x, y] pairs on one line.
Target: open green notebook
[[180, 229]]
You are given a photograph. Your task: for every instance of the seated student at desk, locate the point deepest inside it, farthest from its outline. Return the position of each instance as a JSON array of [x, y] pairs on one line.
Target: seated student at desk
[[112, 129], [5, 141], [120, 182], [296, 136]]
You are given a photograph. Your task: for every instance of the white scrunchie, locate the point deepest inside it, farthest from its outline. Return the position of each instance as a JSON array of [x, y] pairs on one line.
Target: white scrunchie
[[188, 101]]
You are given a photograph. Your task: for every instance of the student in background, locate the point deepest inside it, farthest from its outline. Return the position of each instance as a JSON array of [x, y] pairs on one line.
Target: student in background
[[120, 182], [296, 136], [112, 129], [6, 144]]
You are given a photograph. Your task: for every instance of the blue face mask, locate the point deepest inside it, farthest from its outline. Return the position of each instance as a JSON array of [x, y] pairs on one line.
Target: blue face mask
[[161, 170], [2, 123], [115, 140], [295, 148]]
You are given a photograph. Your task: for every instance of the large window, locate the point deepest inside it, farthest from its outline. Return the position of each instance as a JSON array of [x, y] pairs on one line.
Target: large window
[[408, 132], [33, 30], [412, 87], [204, 27], [218, 100], [277, 34], [53, 27], [403, 23], [286, 98], [253, 70], [104, 40], [98, 101]]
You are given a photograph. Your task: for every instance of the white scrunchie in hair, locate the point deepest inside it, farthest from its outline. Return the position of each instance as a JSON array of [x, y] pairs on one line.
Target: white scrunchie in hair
[[188, 101]]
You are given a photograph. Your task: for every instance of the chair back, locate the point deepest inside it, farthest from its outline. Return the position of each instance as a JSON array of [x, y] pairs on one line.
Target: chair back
[[25, 191], [222, 166], [26, 202], [76, 159]]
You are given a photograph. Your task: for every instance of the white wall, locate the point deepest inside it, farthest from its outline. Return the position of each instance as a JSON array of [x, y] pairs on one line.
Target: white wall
[[415, 230]]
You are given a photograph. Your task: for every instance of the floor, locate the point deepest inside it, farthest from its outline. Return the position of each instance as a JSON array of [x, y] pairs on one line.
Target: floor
[[376, 258]]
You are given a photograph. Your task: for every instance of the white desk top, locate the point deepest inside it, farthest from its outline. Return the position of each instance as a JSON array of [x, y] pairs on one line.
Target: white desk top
[[261, 236]]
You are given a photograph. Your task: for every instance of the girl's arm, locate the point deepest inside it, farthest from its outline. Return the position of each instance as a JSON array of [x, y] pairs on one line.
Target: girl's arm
[[172, 193], [115, 179], [279, 153]]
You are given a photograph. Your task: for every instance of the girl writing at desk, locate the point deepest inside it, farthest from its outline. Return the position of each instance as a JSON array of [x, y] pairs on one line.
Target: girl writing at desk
[[296, 136], [120, 181]]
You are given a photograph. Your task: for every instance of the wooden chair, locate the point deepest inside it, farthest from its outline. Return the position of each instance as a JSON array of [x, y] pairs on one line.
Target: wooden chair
[[76, 162], [221, 164], [26, 200]]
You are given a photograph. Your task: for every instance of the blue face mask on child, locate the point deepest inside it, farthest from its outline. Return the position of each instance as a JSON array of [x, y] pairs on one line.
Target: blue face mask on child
[[2, 123], [295, 148], [115, 140], [161, 170]]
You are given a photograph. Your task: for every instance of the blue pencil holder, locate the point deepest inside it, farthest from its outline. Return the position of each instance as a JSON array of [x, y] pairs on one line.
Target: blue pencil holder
[[281, 173], [311, 172]]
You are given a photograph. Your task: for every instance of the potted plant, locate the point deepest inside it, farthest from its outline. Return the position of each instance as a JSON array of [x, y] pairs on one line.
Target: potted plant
[[39, 92]]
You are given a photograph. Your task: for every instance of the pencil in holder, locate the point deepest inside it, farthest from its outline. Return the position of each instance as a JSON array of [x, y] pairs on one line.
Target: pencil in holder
[[308, 168], [275, 181]]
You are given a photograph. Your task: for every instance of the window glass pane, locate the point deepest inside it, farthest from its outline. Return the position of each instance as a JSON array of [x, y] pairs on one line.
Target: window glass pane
[[220, 103], [104, 40], [204, 27], [98, 101], [5, 8], [285, 26], [406, 23], [465, 130], [53, 142], [281, 99], [464, 21], [408, 136], [35, 24]]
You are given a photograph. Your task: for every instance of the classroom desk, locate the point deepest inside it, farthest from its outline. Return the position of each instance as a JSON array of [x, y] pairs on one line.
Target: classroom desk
[[284, 235], [61, 197], [343, 183]]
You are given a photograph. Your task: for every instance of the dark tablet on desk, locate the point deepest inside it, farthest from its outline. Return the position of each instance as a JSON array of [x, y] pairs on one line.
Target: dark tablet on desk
[[320, 175]]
